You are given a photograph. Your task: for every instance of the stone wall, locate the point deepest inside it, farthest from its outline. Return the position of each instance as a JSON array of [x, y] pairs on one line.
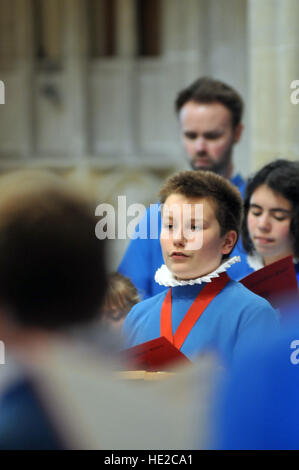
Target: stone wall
[[274, 65], [110, 121]]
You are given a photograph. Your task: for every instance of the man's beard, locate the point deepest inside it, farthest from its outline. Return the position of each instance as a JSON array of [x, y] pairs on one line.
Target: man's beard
[[221, 167]]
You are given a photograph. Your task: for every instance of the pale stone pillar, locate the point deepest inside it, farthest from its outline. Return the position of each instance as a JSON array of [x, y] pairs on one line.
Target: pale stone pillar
[[126, 28], [51, 18], [75, 51], [7, 33], [183, 38], [16, 66], [273, 56], [226, 46]]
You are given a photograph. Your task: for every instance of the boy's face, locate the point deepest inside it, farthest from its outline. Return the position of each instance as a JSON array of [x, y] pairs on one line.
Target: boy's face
[[192, 250]]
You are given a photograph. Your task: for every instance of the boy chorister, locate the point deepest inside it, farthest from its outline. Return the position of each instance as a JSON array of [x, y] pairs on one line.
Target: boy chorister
[[201, 308]]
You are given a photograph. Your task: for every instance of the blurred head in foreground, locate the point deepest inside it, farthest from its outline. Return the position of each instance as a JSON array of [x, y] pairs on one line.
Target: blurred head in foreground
[[52, 266]]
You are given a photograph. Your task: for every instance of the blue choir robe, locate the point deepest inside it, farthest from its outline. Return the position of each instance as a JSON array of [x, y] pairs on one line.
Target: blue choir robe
[[263, 389], [235, 318], [146, 251]]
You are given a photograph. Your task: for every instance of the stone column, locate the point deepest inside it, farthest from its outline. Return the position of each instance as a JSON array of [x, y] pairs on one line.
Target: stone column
[[273, 60], [226, 49], [126, 28], [183, 38], [75, 50], [51, 33], [7, 33], [16, 65]]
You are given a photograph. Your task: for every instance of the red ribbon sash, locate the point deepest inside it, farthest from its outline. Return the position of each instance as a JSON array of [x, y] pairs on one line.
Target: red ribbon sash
[[205, 296]]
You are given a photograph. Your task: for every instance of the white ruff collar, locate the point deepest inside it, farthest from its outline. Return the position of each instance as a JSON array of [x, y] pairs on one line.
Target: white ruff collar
[[164, 277], [255, 261]]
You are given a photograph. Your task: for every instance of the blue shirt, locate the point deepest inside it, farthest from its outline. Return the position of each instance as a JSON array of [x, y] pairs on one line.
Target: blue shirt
[[144, 256]]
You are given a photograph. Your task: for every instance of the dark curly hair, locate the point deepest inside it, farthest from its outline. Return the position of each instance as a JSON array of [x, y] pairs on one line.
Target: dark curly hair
[[282, 177]]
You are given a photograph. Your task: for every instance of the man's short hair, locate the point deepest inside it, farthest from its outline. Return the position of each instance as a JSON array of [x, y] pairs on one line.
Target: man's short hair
[[208, 90], [205, 184], [52, 266]]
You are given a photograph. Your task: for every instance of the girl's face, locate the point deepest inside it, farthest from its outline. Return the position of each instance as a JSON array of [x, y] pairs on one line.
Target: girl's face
[[268, 221]]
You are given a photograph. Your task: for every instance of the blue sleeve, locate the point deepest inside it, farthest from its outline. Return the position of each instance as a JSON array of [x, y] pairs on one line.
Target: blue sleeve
[[240, 183], [241, 269], [126, 330], [134, 326], [139, 262], [136, 265], [241, 425], [258, 324], [259, 405]]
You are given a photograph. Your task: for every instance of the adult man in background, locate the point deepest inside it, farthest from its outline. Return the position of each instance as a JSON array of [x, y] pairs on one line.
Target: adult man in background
[[210, 115]]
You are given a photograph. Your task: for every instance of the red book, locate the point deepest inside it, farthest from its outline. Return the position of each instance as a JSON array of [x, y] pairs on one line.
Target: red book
[[274, 281], [155, 355]]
